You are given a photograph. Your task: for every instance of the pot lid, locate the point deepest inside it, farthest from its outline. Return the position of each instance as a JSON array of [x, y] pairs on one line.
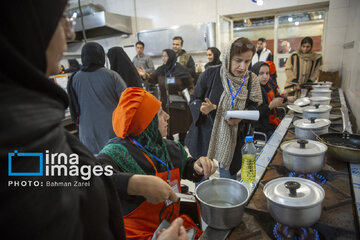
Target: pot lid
[[321, 90], [302, 101], [294, 192], [317, 108], [301, 147], [312, 123], [320, 99], [295, 108]]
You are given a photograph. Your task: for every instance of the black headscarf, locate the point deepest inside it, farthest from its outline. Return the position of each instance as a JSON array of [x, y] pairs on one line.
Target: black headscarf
[[74, 66], [256, 68], [172, 68], [23, 42], [121, 63], [92, 57], [31, 110], [216, 61]]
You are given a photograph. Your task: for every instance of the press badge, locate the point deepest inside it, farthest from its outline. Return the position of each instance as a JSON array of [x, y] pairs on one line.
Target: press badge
[[170, 80], [174, 185]]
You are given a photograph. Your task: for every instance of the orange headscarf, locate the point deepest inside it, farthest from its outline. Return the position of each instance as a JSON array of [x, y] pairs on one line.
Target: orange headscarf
[[134, 113], [272, 68]]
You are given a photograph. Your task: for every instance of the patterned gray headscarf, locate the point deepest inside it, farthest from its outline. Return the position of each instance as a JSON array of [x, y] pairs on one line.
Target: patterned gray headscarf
[[223, 137]]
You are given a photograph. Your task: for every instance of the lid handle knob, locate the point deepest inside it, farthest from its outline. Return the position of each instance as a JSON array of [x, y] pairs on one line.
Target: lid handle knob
[[302, 143], [292, 186], [317, 106], [312, 119]]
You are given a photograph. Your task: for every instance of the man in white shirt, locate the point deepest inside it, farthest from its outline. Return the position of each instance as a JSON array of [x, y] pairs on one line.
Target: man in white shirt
[[262, 53]]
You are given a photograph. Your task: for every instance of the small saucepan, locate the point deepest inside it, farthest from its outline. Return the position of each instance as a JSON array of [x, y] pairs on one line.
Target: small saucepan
[[293, 201], [304, 156], [320, 100], [310, 128], [321, 93], [317, 111]]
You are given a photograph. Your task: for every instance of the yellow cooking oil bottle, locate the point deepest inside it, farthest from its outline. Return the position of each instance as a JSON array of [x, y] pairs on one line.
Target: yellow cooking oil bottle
[[248, 168]]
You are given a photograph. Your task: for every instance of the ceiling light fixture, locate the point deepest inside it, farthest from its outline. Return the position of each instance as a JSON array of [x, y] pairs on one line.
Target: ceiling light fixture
[[258, 2], [296, 23], [290, 19]]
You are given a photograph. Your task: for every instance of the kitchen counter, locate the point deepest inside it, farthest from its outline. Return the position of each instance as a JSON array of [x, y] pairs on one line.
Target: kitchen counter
[[339, 218]]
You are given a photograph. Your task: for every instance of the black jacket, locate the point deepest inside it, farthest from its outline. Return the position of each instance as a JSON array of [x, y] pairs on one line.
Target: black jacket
[[31, 109]]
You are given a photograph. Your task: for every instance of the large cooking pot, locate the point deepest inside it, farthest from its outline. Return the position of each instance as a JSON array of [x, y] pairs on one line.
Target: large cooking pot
[[304, 156], [320, 100], [317, 111], [293, 201], [222, 202], [310, 128], [321, 93]]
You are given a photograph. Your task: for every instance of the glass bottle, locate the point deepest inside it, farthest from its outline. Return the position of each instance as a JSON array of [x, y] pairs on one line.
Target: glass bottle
[[199, 67], [248, 168]]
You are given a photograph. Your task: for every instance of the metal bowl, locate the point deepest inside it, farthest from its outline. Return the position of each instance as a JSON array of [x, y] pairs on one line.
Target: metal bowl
[[222, 202]]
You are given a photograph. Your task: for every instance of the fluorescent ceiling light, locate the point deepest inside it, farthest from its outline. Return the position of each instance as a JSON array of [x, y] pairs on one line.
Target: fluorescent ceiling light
[[290, 19]]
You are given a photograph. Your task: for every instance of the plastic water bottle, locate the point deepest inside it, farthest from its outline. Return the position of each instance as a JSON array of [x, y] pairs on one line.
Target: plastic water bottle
[[248, 168]]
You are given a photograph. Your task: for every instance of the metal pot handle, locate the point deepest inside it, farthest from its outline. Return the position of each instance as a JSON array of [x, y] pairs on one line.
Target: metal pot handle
[[302, 143], [292, 186]]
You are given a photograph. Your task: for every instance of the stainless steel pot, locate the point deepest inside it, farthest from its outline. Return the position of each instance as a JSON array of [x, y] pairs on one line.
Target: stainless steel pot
[[320, 100], [304, 156], [317, 111], [222, 202], [305, 128], [293, 201], [321, 87], [321, 93]]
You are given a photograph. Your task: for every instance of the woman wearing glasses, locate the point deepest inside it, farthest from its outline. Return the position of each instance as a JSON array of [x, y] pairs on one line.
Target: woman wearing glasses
[[229, 86]]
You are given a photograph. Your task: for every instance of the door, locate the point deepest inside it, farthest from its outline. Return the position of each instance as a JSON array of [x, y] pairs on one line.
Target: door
[[224, 32]]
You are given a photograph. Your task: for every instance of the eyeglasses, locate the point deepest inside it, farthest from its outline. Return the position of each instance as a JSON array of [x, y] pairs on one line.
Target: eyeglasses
[[240, 44]]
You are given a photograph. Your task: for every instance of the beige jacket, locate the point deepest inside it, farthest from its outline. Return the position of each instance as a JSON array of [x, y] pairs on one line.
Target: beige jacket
[[302, 67]]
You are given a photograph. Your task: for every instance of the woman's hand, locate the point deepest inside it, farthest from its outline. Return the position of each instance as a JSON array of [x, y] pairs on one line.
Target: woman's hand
[[291, 99], [284, 94], [153, 188], [276, 102], [207, 107], [233, 121], [205, 166], [176, 231]]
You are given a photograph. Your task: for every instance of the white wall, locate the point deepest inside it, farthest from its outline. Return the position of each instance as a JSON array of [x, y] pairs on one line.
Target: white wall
[[342, 25], [227, 7], [351, 58]]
